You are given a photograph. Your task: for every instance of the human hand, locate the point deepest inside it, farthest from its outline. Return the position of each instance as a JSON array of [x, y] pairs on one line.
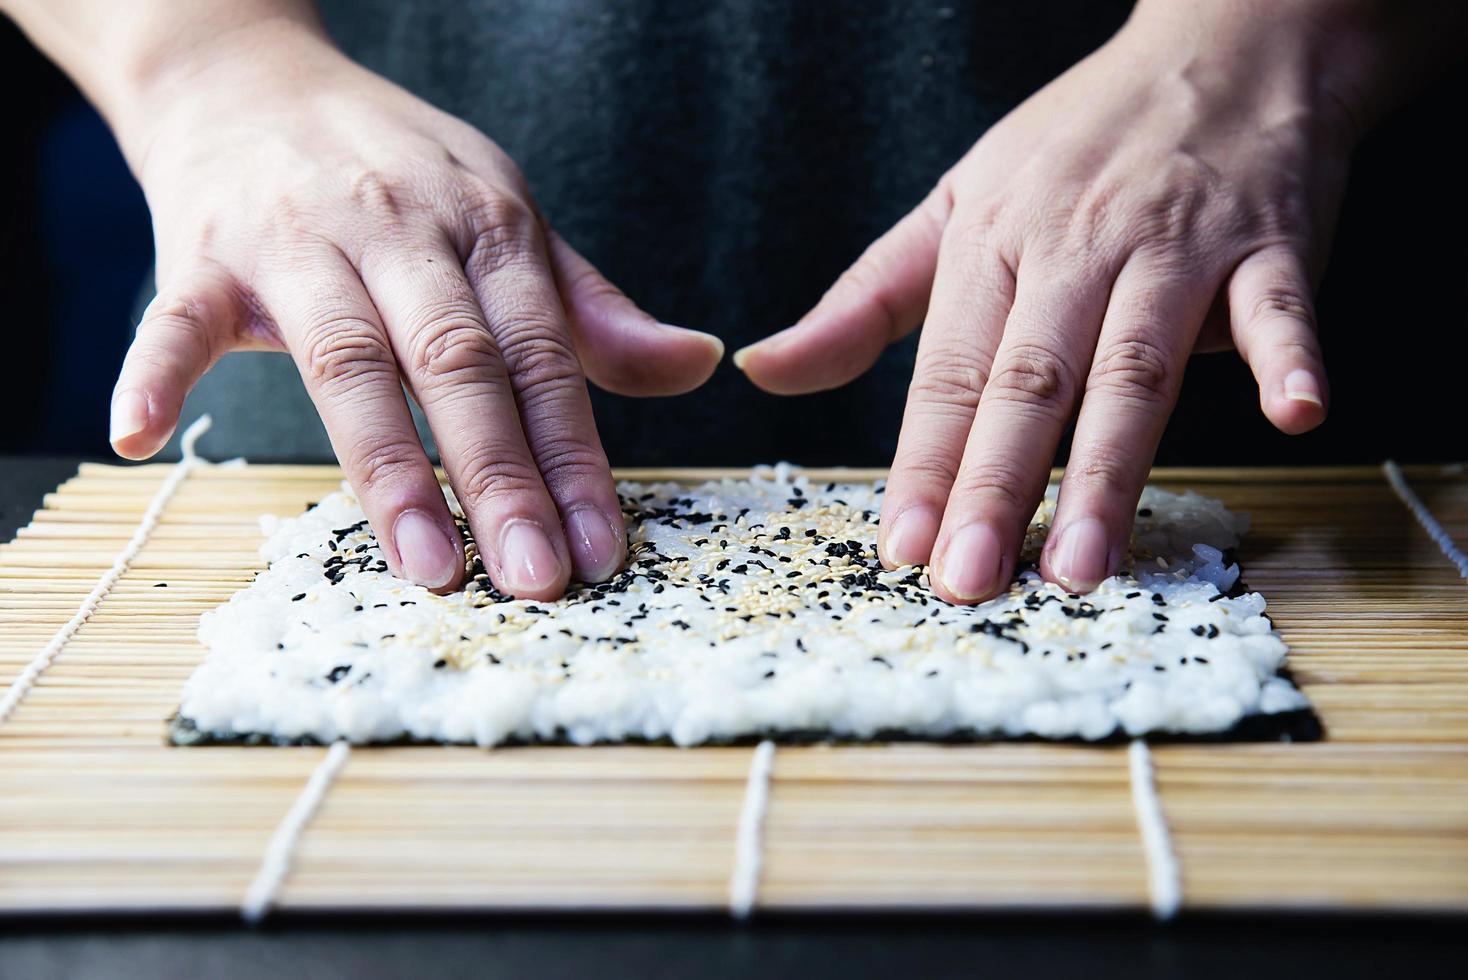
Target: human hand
[[1071, 259], [302, 203]]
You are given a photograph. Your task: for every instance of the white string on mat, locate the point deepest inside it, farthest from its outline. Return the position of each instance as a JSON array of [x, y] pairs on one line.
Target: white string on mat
[[749, 840], [1419, 510], [23, 683], [1164, 875], [277, 862]]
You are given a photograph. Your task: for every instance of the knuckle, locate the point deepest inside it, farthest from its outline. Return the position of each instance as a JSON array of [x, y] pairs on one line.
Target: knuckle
[[1034, 376], [184, 323], [376, 466], [375, 192], [1280, 299], [344, 352], [1100, 476], [1134, 368], [568, 459], [993, 483], [953, 377], [928, 467], [451, 346], [176, 308], [504, 231], [1091, 218], [539, 358], [495, 476]]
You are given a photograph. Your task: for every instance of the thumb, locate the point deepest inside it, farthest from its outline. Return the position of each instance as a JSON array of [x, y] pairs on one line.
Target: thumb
[[188, 326], [622, 348], [1273, 320], [880, 299]]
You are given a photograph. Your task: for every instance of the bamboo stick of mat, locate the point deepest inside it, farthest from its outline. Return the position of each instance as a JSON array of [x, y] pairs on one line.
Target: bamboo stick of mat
[[97, 813]]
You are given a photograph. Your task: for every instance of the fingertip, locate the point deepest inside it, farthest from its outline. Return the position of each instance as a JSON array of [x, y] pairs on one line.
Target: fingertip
[[910, 537], [598, 543], [531, 565], [1079, 556], [428, 554], [741, 357], [1300, 403], [969, 567], [714, 344], [136, 430], [698, 363]]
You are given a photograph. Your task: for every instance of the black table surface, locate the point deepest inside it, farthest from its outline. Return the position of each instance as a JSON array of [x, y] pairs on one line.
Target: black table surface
[[1039, 946]]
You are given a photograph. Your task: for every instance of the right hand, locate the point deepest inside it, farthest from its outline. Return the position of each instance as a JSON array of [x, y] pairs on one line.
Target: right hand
[[302, 203]]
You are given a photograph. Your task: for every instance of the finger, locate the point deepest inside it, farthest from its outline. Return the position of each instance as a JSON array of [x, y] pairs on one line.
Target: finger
[[1150, 327], [972, 294], [880, 299], [457, 374], [621, 348], [1273, 320], [1030, 395], [343, 354], [186, 328], [509, 272]]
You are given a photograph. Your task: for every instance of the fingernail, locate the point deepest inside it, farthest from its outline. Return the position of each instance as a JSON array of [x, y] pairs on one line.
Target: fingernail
[[426, 554], [970, 565], [129, 415], [707, 338], [596, 549], [1300, 386], [1081, 560], [910, 541], [528, 560], [742, 355]]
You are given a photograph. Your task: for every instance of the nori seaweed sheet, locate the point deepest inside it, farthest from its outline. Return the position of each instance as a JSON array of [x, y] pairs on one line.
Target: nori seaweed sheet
[[1301, 725]]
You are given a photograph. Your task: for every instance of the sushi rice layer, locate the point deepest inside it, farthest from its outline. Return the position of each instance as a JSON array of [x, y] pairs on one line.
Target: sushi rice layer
[[747, 608]]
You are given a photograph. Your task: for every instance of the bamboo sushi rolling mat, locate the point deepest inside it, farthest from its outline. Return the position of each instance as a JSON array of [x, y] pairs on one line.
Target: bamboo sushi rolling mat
[[97, 813]]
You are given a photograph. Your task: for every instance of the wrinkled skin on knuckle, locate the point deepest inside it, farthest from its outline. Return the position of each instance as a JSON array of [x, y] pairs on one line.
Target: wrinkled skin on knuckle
[[343, 353], [996, 486], [503, 234], [187, 321], [1091, 220], [567, 461], [1034, 377], [929, 467], [377, 193], [1133, 368], [949, 376], [492, 476], [1098, 477], [1281, 299], [377, 467], [540, 359], [452, 347]]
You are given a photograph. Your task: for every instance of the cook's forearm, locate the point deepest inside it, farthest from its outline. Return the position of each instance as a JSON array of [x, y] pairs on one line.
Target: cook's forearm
[[119, 53]]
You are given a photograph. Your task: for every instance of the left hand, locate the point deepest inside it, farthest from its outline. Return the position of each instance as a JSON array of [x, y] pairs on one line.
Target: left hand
[[1070, 260]]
